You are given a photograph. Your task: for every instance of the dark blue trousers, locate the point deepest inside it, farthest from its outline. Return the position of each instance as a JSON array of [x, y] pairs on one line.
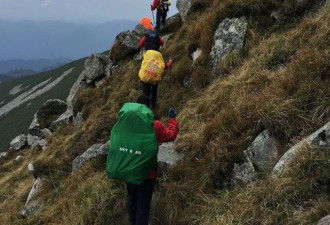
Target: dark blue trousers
[[160, 18], [139, 199]]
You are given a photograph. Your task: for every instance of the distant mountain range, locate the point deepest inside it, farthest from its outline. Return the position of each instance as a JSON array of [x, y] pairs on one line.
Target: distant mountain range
[[48, 40]]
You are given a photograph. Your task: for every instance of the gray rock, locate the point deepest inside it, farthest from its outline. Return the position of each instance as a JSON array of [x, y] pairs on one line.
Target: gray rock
[[31, 167], [276, 15], [89, 154], [128, 43], [139, 30], [36, 140], [19, 158], [63, 119], [187, 81], [243, 174], [167, 156], [95, 67], [33, 204], [3, 155], [184, 7], [228, 37], [324, 220], [79, 85], [320, 138], [19, 142], [196, 54], [52, 105], [78, 121], [263, 151]]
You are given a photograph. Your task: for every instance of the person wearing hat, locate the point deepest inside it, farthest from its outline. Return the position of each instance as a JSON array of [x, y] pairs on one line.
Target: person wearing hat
[[151, 40], [139, 196]]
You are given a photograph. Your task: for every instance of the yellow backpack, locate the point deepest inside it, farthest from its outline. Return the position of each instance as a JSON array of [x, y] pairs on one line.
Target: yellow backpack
[[152, 67]]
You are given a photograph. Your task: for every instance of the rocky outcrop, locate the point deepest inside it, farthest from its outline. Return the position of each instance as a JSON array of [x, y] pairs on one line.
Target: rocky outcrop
[[126, 43], [320, 138], [35, 140], [228, 37], [263, 151], [243, 174], [184, 7], [324, 220], [19, 142], [89, 154], [139, 30], [167, 156], [95, 67], [63, 119], [33, 204]]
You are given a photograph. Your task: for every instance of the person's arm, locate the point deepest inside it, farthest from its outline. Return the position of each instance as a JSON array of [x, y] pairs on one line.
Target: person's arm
[[154, 5], [166, 134], [142, 41]]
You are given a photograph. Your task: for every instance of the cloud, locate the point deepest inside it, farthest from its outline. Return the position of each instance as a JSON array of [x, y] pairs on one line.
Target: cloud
[[47, 3]]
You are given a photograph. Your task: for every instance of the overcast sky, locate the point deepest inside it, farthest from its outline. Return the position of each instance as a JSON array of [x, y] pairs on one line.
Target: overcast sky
[[79, 11]]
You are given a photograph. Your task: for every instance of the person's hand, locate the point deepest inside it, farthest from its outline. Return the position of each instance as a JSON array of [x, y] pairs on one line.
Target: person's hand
[[171, 113], [168, 65]]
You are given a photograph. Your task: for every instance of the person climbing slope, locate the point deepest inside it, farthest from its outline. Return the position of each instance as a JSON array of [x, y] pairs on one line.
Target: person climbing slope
[[151, 73], [151, 40], [133, 154], [162, 7]]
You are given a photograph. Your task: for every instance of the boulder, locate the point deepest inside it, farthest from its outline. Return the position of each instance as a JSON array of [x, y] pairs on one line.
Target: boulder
[[89, 154], [324, 220], [63, 119], [36, 140], [243, 174], [19, 142], [95, 67], [228, 37], [18, 158], [33, 204], [320, 139], [52, 108], [167, 156], [3, 155], [127, 43], [139, 30], [79, 85], [184, 7], [263, 151], [166, 38]]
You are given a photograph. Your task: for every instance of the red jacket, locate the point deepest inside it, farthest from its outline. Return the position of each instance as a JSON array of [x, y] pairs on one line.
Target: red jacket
[[143, 39], [155, 5], [165, 134]]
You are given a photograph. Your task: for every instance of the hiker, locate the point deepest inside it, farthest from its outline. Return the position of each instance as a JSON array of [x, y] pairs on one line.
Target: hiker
[[162, 7], [139, 196], [133, 154], [151, 41], [151, 72]]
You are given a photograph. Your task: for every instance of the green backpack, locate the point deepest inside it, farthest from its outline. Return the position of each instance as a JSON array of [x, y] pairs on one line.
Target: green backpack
[[133, 145]]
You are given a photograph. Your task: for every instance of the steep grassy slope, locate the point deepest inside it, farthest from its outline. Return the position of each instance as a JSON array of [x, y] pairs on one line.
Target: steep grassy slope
[[218, 122], [25, 112]]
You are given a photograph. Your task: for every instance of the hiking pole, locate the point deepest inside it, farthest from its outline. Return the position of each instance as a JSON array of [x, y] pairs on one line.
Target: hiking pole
[[152, 12]]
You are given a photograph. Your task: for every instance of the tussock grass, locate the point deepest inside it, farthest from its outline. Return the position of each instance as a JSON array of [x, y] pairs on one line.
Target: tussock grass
[[217, 122]]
